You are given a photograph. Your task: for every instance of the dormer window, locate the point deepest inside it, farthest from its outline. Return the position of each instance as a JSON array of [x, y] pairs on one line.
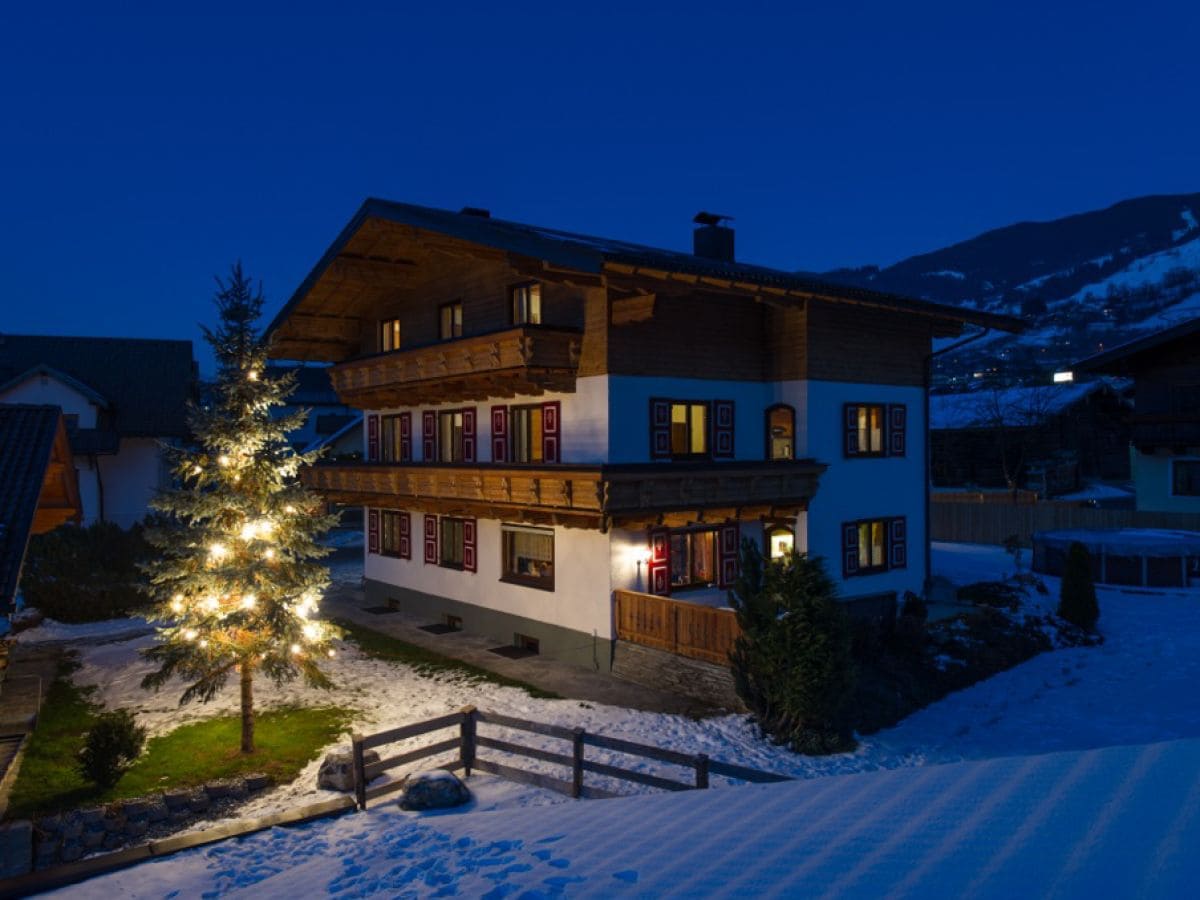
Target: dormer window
[[389, 335], [527, 304], [450, 321]]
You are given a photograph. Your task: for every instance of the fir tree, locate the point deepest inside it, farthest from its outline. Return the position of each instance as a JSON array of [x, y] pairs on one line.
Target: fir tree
[[236, 579], [1077, 600]]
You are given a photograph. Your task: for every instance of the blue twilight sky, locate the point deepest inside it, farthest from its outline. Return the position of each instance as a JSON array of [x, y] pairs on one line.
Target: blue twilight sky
[[143, 151]]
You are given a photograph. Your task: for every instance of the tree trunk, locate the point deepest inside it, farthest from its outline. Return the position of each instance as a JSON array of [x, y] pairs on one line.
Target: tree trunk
[[247, 708]]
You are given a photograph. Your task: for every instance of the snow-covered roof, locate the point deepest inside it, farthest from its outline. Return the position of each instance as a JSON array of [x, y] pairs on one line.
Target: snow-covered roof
[[330, 439], [1014, 407]]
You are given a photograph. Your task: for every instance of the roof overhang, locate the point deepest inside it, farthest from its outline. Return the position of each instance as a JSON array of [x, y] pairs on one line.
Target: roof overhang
[[1126, 358]]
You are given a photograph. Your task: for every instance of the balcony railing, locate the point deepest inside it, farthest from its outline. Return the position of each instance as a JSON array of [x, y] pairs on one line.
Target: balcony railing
[[529, 359], [599, 496]]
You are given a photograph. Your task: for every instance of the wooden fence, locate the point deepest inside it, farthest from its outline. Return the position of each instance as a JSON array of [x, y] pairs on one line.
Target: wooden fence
[[465, 746], [686, 629], [991, 523]]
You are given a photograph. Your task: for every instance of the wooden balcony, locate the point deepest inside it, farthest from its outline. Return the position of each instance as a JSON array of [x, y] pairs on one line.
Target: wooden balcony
[[676, 626], [598, 497], [530, 359]]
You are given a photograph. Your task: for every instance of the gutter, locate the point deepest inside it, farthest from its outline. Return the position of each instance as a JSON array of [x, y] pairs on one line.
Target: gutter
[[929, 452]]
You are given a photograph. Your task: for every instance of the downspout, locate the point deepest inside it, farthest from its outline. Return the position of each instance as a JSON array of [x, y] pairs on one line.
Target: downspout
[[929, 451], [95, 461]]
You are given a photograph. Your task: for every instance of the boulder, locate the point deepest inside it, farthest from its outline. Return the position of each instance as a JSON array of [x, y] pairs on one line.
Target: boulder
[[257, 781], [337, 769], [225, 788], [434, 789]]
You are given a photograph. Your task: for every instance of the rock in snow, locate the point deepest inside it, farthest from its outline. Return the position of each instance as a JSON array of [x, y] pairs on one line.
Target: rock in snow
[[434, 789], [337, 769]]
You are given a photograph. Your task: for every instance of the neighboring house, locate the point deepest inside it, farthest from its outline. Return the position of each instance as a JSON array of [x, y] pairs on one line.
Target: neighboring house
[[39, 489], [1165, 448], [553, 419], [327, 414], [120, 397], [1049, 438], [344, 444]]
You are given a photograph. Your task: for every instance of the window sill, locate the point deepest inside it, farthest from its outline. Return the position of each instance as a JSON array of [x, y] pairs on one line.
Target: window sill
[[535, 583], [875, 570], [458, 567]]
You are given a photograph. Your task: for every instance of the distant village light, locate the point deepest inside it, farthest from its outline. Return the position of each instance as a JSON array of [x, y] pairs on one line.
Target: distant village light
[[1063, 377]]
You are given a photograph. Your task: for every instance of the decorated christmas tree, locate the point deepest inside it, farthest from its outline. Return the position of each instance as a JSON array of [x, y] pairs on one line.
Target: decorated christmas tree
[[236, 579]]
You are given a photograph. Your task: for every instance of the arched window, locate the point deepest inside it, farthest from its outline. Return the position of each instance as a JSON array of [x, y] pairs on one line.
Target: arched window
[[781, 432], [781, 540]]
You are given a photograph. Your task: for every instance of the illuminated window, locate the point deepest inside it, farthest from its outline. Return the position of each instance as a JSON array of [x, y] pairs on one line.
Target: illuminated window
[[527, 304], [781, 542], [450, 436], [527, 442], [689, 429], [693, 559], [450, 321], [528, 556], [390, 443], [865, 425], [389, 335], [872, 546], [781, 432]]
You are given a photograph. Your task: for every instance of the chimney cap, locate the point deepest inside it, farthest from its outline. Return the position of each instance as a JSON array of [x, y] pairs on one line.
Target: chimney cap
[[477, 211], [708, 218]]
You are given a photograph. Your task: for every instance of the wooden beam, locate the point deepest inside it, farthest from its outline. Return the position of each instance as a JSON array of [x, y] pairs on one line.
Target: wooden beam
[[372, 272]]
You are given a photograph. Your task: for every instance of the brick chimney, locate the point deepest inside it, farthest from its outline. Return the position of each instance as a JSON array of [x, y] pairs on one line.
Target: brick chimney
[[711, 239]]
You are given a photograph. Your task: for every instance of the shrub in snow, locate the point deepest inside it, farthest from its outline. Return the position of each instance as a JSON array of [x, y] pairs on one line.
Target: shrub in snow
[[111, 746], [996, 594], [792, 664], [1077, 602], [88, 574]]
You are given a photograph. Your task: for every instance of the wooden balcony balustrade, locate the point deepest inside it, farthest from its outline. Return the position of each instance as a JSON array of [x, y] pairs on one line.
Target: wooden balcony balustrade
[[596, 496], [676, 626], [529, 359]]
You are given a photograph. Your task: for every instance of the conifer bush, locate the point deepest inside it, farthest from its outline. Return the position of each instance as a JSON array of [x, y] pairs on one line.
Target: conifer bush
[[792, 664], [1077, 602], [111, 746], [76, 574]]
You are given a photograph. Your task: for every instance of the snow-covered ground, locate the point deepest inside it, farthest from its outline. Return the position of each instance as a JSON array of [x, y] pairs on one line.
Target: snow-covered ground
[[1137, 688]]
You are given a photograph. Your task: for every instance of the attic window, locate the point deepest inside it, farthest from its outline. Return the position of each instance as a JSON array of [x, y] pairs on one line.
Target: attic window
[[527, 304]]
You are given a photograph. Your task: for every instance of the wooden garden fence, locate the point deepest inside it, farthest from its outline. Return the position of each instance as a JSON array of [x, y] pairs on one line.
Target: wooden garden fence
[[686, 629], [464, 755], [992, 522]]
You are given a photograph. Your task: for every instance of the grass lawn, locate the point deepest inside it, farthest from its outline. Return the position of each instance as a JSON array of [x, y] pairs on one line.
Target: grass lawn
[[285, 739], [378, 645]]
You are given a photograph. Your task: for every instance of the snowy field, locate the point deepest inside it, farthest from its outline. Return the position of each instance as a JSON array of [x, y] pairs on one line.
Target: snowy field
[[1137, 688]]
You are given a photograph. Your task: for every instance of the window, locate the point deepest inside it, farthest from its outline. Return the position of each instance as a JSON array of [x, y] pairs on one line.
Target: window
[[870, 546], [395, 443], [693, 559], [689, 429], [875, 429], [527, 304], [868, 426], [528, 556], [781, 541], [450, 320], [527, 434], [451, 543], [1185, 477], [781, 432], [389, 335], [450, 436], [394, 534]]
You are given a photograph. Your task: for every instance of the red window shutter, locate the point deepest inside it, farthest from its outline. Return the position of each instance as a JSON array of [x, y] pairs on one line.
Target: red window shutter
[[372, 438], [728, 536], [372, 531], [722, 429], [660, 562], [468, 434], [850, 548], [850, 420], [897, 429], [551, 431], [499, 434], [470, 563], [405, 437], [897, 544], [429, 435], [431, 539], [660, 429], [405, 536]]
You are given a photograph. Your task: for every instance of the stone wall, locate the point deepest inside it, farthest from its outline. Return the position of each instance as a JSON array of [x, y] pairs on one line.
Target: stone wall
[[66, 837], [647, 666]]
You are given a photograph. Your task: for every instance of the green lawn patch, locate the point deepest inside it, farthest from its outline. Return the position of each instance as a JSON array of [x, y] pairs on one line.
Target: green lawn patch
[[378, 645], [48, 781]]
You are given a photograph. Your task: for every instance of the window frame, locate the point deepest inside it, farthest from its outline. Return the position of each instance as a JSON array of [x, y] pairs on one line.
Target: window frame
[[389, 424], [460, 523], [540, 446], [884, 525], [769, 439], [706, 453], [521, 315], [455, 308], [541, 583], [1174, 481], [394, 516], [771, 530], [455, 446], [389, 328], [714, 534], [883, 431]]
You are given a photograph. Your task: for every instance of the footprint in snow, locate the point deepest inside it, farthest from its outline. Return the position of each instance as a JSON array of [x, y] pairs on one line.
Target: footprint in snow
[[629, 876]]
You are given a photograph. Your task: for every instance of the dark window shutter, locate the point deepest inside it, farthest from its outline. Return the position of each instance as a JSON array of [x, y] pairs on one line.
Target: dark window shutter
[[897, 429], [469, 554], [722, 429], [551, 431], [405, 536], [499, 434], [468, 434], [406, 437], [850, 548], [850, 426], [372, 531], [660, 562], [429, 435], [660, 429], [431, 539], [728, 536], [898, 544], [372, 438]]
